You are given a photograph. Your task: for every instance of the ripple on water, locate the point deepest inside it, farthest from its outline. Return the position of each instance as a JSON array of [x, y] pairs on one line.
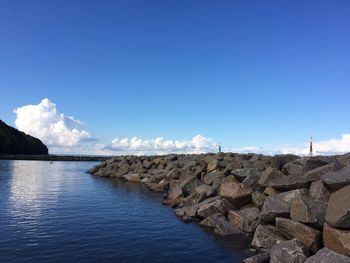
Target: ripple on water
[[57, 212]]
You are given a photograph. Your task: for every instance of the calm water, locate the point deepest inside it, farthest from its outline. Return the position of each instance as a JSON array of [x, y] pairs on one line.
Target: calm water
[[56, 212]]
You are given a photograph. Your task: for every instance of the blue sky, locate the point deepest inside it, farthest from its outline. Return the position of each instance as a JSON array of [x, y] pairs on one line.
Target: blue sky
[[244, 73]]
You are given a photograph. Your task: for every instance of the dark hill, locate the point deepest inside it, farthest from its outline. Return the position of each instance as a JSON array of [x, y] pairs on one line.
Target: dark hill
[[13, 141]]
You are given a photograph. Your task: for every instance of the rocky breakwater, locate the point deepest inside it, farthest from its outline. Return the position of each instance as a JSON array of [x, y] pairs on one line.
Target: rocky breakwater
[[293, 209]]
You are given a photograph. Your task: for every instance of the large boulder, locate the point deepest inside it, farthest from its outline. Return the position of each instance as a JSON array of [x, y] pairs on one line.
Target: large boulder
[[259, 258], [246, 219], [308, 211], [291, 251], [319, 192], [266, 236], [338, 179], [292, 168], [132, 177], [242, 173], [278, 161], [337, 239], [313, 163], [338, 209], [175, 189], [258, 199], [213, 165], [274, 207], [212, 206], [268, 175], [237, 193], [309, 236], [326, 255], [221, 226], [290, 195], [210, 178]]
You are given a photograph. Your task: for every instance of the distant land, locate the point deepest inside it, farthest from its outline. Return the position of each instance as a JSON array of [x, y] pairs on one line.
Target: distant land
[[15, 142]]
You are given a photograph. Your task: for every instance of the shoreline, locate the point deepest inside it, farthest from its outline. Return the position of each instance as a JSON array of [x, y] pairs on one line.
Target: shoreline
[[280, 203], [52, 158]]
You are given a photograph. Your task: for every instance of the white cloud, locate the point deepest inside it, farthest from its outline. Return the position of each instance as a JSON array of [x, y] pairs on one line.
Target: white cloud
[[54, 129], [135, 145]]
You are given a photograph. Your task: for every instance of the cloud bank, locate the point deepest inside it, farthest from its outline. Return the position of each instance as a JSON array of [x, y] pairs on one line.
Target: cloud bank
[[135, 145], [54, 129], [65, 135]]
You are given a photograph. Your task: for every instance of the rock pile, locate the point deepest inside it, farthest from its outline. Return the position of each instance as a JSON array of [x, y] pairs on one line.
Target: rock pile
[[294, 209]]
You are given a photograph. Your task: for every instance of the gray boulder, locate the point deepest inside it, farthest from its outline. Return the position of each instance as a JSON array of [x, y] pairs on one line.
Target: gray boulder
[[309, 236], [319, 192], [274, 207], [258, 199], [326, 255], [291, 251], [337, 239], [338, 209], [212, 206], [245, 219], [337, 180], [237, 193], [266, 236], [260, 258]]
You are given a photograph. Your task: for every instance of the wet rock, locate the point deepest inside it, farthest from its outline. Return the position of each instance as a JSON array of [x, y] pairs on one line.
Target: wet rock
[[245, 219], [319, 192], [237, 193], [337, 239], [326, 255], [338, 209], [260, 258], [291, 251], [258, 199], [308, 211], [266, 237], [337, 180], [274, 207], [309, 236]]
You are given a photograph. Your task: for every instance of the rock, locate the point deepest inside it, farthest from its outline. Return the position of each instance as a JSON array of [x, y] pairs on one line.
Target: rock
[[278, 161], [292, 168], [274, 207], [132, 177], [337, 239], [316, 174], [212, 165], [207, 208], [200, 193], [290, 195], [258, 199], [237, 193], [219, 223], [269, 191], [252, 181], [121, 171], [326, 255], [246, 219], [241, 174], [291, 251], [175, 190], [308, 211], [266, 237], [338, 209], [260, 258], [269, 174], [319, 192], [209, 178], [188, 211], [337, 180], [313, 163], [309, 236]]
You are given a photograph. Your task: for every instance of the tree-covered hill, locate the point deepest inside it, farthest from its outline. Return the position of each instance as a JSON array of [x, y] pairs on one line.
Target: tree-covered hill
[[13, 141]]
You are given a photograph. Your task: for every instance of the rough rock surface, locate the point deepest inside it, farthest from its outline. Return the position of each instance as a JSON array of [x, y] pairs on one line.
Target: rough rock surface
[[326, 255], [338, 209], [237, 193], [266, 236], [337, 239], [291, 251], [246, 219], [274, 207], [309, 236]]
